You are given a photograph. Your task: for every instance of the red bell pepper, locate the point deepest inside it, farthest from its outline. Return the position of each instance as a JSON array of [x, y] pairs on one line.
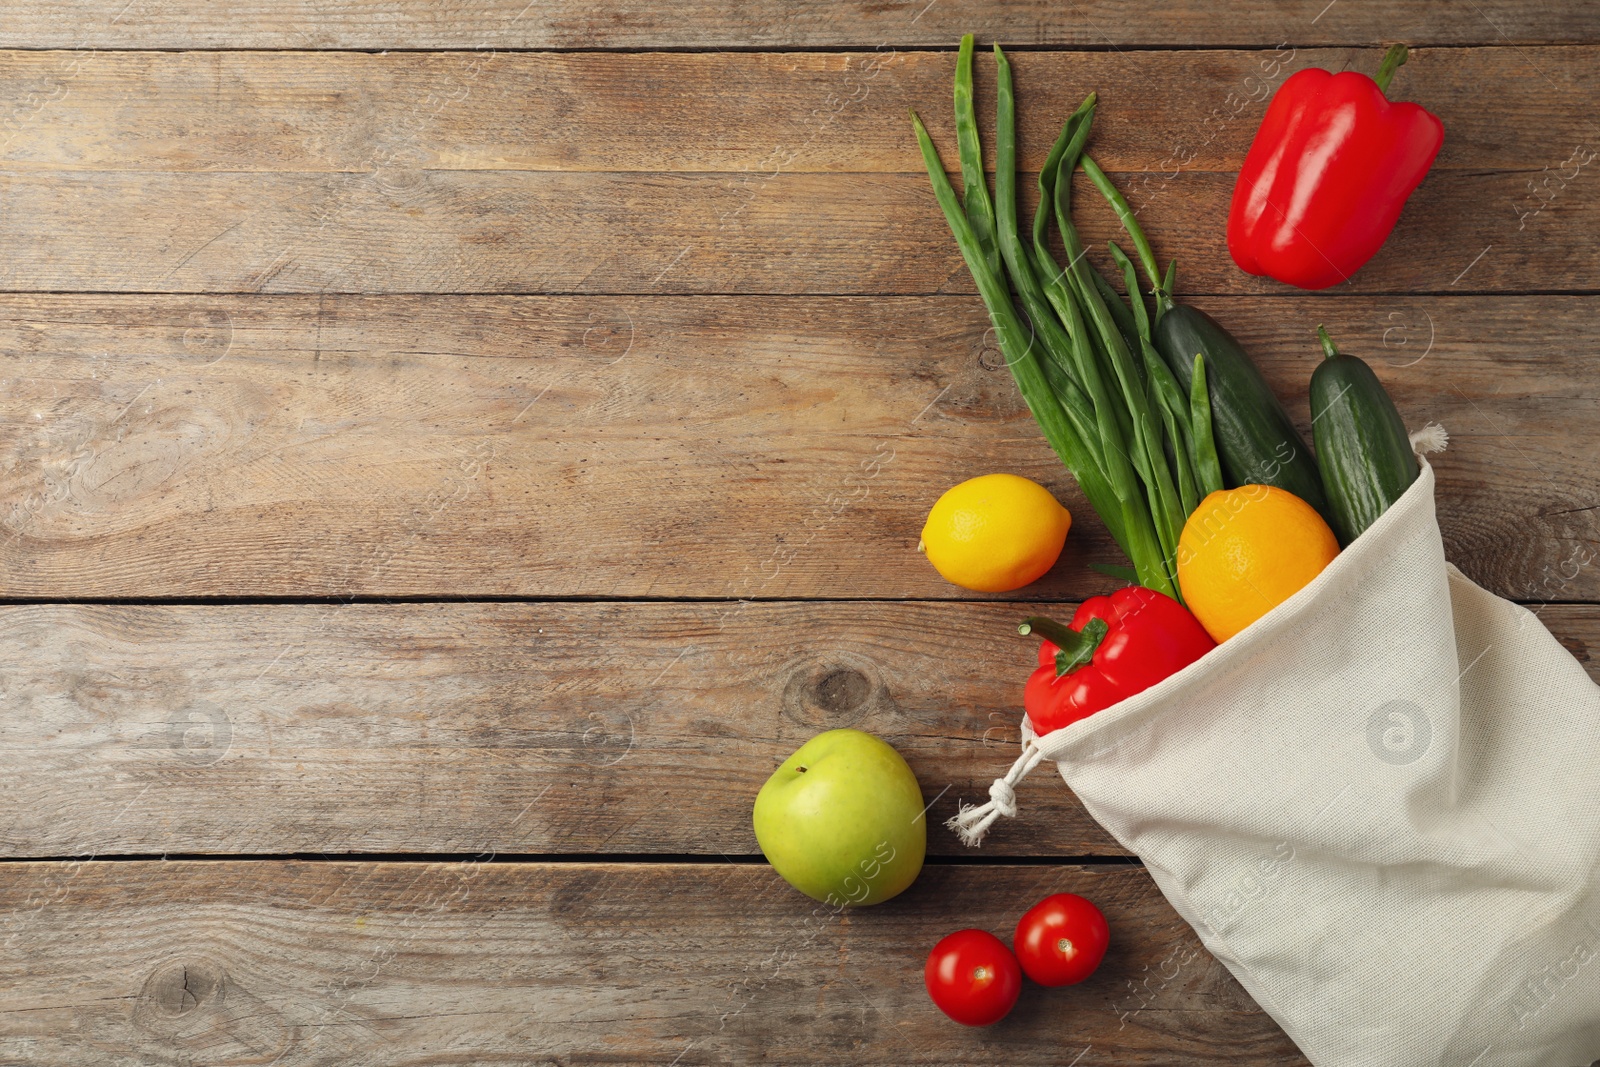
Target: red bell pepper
[[1116, 646], [1327, 175]]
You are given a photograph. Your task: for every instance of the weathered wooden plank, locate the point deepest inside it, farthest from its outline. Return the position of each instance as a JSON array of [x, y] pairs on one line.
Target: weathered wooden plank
[[774, 24], [1505, 108], [433, 964], [522, 728], [723, 447], [516, 728], [548, 232]]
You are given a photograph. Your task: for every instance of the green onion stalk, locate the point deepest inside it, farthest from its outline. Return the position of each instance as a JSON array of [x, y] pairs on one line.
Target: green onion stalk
[[1140, 448]]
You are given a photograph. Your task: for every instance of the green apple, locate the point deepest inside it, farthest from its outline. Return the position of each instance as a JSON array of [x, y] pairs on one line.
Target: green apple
[[842, 819]]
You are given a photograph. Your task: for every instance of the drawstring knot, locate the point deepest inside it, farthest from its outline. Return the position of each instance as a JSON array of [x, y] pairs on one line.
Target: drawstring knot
[[972, 822]]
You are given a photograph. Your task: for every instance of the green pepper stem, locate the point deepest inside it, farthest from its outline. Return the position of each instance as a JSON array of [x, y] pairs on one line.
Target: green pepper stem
[[1054, 632], [1077, 647], [1392, 59], [1328, 351]]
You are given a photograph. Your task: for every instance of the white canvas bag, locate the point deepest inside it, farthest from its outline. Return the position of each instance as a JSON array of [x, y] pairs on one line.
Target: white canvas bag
[[1379, 807]]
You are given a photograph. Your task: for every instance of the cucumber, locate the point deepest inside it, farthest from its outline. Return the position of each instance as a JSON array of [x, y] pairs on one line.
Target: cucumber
[[1256, 441], [1362, 445]]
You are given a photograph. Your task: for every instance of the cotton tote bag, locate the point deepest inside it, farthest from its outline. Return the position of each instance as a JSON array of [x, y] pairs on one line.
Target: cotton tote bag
[[1379, 807]]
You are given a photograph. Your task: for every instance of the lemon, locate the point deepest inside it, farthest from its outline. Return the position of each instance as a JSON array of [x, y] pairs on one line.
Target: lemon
[[995, 533], [1244, 551]]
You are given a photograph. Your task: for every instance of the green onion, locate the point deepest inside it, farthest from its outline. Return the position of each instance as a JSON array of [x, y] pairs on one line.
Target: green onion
[[1017, 344], [975, 188], [1144, 547], [1055, 366], [1057, 344], [1081, 353], [1166, 288], [1161, 498], [1117, 306], [1206, 463], [1167, 395], [1119, 203]]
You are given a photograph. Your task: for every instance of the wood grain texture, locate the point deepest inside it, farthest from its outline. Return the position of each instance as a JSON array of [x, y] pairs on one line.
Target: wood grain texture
[[593, 173], [358, 965], [731, 113], [646, 439], [513, 728], [548, 232], [774, 24], [572, 728], [704, 447]]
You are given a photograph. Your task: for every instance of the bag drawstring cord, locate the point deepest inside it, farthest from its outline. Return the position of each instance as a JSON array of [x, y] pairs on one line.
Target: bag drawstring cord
[[1431, 438], [972, 822]]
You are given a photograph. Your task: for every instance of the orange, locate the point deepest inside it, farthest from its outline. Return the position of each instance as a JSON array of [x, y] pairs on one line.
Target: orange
[[995, 533], [1244, 551]]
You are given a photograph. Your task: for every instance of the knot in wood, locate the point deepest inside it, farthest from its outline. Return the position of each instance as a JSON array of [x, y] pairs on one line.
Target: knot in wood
[[832, 691], [182, 987], [841, 691]]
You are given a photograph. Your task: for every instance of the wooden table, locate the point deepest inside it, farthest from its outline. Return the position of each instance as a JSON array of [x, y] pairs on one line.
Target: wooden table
[[453, 452]]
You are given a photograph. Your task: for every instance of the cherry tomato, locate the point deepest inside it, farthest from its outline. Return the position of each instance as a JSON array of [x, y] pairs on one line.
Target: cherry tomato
[[973, 977], [1061, 940]]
